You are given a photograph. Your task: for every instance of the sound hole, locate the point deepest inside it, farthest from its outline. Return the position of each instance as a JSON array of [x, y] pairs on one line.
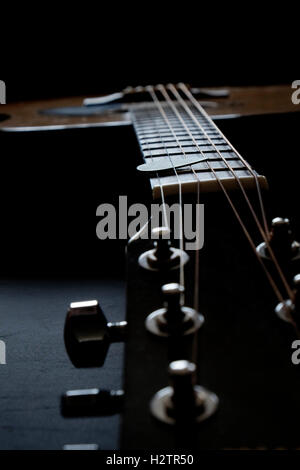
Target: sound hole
[[72, 111]]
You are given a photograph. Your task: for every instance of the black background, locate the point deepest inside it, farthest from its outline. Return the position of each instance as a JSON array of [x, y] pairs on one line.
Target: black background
[[53, 183], [63, 51], [51, 186]]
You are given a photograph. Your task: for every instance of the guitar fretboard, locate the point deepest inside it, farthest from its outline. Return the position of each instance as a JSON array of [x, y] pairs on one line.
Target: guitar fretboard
[[164, 136]]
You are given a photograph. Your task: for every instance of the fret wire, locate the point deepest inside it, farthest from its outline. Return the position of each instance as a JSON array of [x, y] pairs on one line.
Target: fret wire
[[164, 140], [162, 195], [173, 148], [162, 143]]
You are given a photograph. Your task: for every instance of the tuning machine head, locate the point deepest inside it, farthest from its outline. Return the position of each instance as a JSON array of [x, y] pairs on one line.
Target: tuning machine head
[[281, 242], [163, 256], [87, 334], [173, 319], [289, 310], [182, 401]]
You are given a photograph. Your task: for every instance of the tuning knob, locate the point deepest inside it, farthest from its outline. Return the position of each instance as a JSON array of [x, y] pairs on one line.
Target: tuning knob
[[173, 318], [281, 241], [163, 256], [87, 334], [290, 311], [92, 402], [162, 252], [183, 401]]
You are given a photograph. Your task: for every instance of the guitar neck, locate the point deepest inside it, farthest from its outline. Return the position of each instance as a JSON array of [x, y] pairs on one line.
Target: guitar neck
[[164, 133]]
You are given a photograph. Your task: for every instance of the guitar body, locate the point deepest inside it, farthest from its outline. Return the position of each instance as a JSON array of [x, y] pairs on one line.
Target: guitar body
[[70, 112], [244, 349]]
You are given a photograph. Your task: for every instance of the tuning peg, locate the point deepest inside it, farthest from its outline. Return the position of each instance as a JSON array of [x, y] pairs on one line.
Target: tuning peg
[[163, 256], [183, 401], [87, 334], [92, 402], [289, 310], [281, 241], [163, 251], [173, 318]]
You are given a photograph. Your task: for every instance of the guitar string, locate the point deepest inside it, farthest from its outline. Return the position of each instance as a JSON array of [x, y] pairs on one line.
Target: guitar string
[[196, 307], [190, 96], [196, 298], [155, 99], [153, 94], [181, 280], [197, 258], [275, 288], [157, 175], [196, 268], [202, 111], [263, 234], [196, 291], [181, 272], [272, 283], [173, 107], [277, 292]]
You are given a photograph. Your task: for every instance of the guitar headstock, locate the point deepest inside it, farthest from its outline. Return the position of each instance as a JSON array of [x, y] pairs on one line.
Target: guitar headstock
[[207, 361]]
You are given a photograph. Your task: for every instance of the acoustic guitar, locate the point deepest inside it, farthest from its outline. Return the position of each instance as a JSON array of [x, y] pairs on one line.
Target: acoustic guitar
[[212, 277]]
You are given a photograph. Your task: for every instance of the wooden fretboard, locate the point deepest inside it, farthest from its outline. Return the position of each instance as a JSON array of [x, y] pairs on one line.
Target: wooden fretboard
[[157, 141]]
